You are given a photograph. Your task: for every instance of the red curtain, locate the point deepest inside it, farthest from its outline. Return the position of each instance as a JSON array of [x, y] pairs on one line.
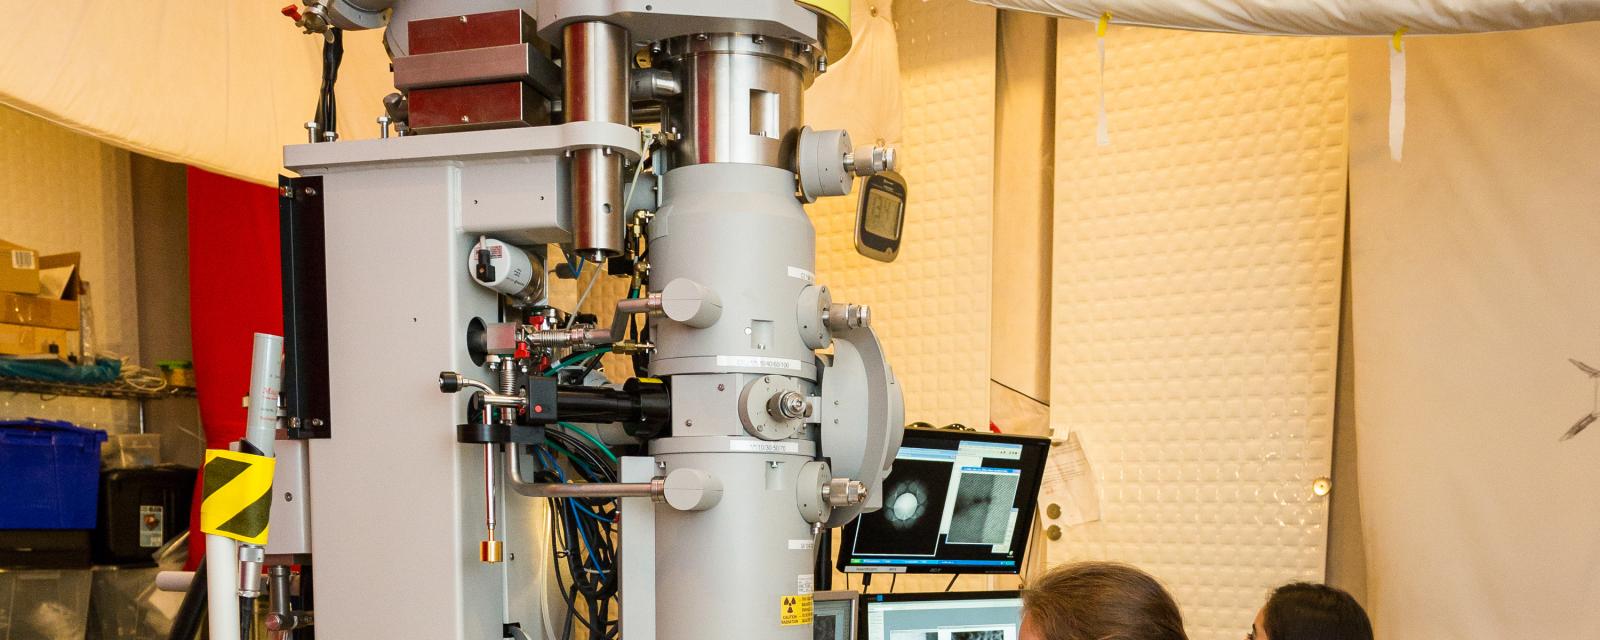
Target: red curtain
[[235, 291]]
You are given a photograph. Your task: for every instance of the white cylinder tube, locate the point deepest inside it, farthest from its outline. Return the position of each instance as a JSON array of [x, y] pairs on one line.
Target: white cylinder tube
[[222, 584], [266, 381], [178, 581]]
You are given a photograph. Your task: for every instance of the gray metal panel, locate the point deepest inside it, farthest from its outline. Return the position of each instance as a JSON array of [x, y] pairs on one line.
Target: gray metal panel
[[519, 200], [638, 555], [291, 511], [556, 139], [398, 503]]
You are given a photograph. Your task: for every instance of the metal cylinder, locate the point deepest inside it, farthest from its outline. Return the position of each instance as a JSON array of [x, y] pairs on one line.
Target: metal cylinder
[[741, 97], [752, 552], [735, 229], [595, 69]]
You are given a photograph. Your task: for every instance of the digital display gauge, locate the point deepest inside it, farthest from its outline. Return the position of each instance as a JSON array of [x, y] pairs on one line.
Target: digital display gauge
[[880, 216]]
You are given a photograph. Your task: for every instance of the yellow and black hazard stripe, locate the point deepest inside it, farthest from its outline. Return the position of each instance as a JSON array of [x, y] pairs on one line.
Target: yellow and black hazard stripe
[[237, 495]]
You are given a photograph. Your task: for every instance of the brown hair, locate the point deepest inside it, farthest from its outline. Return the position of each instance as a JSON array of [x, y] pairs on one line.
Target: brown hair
[[1101, 601]]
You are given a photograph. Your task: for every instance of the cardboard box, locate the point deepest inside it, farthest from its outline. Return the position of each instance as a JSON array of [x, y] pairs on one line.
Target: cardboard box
[[22, 340], [41, 310], [19, 268]]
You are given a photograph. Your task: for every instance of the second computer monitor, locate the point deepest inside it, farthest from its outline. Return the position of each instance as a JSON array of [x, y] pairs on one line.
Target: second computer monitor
[[955, 502], [974, 615]]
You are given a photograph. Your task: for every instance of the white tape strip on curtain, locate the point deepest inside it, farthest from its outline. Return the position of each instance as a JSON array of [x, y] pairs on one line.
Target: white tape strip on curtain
[[1322, 17]]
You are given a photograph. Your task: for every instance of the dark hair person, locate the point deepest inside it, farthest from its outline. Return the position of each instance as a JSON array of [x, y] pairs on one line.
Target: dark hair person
[[1305, 611], [1099, 601]]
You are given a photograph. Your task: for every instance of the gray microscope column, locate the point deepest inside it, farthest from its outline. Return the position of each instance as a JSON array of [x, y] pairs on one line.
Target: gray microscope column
[[723, 573]]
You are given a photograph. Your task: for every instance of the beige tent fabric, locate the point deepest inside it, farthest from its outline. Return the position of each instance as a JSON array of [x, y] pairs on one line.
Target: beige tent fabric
[[221, 84], [1474, 278], [1322, 17]]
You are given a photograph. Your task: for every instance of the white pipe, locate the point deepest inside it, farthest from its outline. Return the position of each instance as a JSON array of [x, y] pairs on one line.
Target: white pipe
[[222, 587], [177, 581], [266, 381]]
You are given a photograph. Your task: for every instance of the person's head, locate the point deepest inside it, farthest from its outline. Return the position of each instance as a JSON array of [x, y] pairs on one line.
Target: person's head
[[1099, 601], [1305, 611]]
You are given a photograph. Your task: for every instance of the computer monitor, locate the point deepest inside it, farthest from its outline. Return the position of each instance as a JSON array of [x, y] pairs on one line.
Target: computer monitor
[[955, 502], [972, 615], [833, 615]]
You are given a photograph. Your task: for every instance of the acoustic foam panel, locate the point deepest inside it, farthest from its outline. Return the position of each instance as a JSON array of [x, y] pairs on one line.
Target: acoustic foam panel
[[931, 306], [1196, 305]]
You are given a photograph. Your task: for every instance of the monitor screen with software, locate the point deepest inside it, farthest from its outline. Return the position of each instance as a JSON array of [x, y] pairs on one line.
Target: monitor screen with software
[[973, 615], [834, 615], [955, 502]]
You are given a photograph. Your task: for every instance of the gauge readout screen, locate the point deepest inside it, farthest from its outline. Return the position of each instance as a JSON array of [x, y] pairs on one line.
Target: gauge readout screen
[[883, 213]]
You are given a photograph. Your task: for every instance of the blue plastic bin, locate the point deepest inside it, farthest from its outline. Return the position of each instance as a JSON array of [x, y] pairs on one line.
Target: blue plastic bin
[[49, 474]]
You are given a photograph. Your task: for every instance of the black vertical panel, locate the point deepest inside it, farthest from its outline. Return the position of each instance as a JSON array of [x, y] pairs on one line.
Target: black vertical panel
[[305, 306]]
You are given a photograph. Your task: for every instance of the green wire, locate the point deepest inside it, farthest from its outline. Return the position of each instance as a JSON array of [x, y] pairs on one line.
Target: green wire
[[577, 357], [590, 437], [570, 455]]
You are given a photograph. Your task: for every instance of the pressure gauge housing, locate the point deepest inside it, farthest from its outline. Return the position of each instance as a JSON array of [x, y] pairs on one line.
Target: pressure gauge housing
[[880, 216]]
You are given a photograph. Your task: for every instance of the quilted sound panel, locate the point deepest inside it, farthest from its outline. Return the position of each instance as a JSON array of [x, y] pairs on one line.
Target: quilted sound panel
[[1196, 305], [931, 306]]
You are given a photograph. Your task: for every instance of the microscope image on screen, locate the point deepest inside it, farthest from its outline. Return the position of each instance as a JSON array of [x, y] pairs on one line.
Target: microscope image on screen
[[913, 499], [983, 509]]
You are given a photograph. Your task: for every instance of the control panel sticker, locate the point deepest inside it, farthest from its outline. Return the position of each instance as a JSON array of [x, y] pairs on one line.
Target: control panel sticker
[[751, 446], [801, 274], [794, 610], [758, 362], [804, 584], [802, 545]]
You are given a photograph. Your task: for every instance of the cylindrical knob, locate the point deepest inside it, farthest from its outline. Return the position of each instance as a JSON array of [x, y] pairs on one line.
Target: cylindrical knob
[[691, 490], [449, 381], [843, 316], [789, 404], [844, 492], [871, 159], [691, 303]]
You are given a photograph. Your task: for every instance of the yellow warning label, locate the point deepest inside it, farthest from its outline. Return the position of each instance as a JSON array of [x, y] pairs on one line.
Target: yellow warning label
[[237, 495], [793, 610]]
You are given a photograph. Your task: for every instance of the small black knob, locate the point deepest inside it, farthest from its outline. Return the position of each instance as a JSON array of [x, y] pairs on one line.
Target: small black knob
[[449, 381]]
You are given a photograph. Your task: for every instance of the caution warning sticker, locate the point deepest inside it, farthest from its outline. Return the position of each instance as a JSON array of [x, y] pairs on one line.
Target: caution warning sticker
[[793, 610], [237, 495]]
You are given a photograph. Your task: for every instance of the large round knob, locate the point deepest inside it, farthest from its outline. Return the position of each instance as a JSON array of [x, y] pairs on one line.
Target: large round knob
[[691, 490], [691, 303]]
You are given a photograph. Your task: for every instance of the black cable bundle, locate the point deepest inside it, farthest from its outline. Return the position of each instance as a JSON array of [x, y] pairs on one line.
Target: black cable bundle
[[584, 535], [327, 117]]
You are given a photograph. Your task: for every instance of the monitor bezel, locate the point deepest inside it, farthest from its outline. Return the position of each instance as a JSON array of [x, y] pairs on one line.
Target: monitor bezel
[[1037, 446]]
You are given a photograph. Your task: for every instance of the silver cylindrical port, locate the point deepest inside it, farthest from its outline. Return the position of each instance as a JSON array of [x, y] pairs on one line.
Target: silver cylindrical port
[[595, 69]]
